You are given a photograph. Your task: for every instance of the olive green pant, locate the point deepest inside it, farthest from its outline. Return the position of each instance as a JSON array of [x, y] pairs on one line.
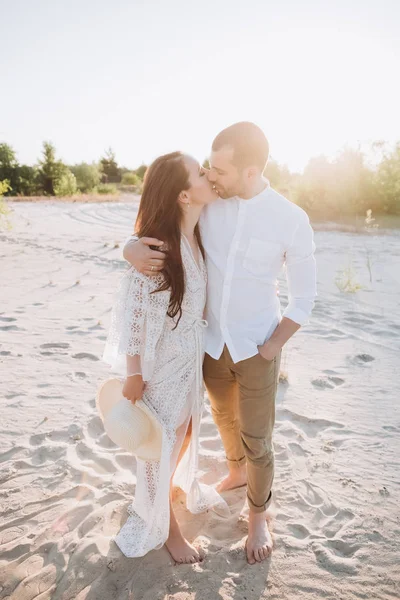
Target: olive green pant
[[242, 397]]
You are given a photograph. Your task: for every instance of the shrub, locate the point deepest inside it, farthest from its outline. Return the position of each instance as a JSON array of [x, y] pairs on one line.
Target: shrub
[[87, 176], [65, 184], [8, 169], [107, 188], [4, 187], [131, 178]]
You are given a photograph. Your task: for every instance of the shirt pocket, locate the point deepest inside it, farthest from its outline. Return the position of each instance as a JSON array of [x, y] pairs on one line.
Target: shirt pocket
[[261, 256]]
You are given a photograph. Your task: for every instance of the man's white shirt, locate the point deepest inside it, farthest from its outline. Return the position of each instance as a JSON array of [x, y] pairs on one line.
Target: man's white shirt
[[247, 243]]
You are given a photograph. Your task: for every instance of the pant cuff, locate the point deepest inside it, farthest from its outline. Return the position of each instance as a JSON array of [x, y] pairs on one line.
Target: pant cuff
[[256, 508], [235, 464]]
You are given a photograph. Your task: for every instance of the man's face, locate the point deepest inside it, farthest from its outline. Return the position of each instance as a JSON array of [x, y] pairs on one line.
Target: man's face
[[224, 174]]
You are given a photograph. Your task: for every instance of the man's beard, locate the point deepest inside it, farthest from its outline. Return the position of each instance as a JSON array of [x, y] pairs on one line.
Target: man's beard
[[230, 192]]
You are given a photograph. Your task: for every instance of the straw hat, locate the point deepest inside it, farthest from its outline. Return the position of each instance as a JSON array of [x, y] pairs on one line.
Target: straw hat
[[133, 427]]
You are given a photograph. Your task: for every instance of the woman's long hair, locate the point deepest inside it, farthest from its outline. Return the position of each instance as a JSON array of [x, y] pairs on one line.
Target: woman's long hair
[[160, 215]]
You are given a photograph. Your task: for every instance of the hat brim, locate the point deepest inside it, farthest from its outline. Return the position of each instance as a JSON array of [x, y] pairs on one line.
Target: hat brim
[[109, 394]]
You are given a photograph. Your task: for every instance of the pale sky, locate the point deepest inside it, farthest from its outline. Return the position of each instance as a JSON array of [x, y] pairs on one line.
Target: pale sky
[[151, 76]]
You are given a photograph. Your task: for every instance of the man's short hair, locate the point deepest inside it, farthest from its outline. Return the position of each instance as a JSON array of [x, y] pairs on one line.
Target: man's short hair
[[250, 146]]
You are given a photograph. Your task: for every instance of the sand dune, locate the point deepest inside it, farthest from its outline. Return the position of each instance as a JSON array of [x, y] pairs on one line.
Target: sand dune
[[65, 488]]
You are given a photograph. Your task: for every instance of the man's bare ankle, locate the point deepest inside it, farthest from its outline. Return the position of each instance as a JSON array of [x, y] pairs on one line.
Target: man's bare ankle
[[257, 517], [236, 477]]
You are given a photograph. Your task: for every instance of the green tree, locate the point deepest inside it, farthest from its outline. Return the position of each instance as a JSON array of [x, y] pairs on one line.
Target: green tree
[[311, 191], [8, 168], [87, 176], [278, 175], [352, 189], [8, 158], [50, 169], [140, 171], [28, 180], [338, 188], [54, 176], [388, 182], [109, 168]]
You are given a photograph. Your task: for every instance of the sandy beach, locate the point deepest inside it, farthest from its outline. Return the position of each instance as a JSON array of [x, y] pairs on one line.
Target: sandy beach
[[65, 487]]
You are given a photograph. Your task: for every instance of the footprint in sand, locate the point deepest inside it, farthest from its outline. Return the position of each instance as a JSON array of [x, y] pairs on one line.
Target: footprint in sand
[[391, 428], [331, 562], [11, 328], [324, 383], [55, 345], [313, 496], [338, 522], [363, 358], [79, 375], [13, 395], [342, 548], [298, 531], [89, 458], [96, 431], [336, 380], [7, 319], [5, 353], [87, 355], [78, 332], [125, 461], [47, 453], [50, 349], [298, 450], [311, 427], [95, 427]]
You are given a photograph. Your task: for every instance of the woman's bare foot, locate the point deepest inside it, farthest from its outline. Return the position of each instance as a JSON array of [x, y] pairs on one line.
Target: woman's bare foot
[[237, 478], [179, 548], [259, 541], [181, 551]]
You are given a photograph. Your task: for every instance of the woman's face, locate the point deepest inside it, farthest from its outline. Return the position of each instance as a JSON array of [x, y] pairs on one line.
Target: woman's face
[[201, 191]]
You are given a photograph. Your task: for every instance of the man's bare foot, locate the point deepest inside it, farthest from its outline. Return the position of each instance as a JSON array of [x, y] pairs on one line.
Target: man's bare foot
[[236, 478], [259, 541], [181, 551]]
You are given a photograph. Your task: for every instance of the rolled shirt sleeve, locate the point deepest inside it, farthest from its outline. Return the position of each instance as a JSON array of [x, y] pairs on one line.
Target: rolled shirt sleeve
[[130, 240], [301, 273]]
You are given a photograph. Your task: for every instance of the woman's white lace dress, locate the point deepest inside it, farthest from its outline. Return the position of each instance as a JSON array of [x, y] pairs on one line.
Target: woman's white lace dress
[[171, 363]]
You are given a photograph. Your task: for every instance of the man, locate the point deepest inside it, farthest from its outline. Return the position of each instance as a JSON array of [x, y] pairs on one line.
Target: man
[[248, 235]]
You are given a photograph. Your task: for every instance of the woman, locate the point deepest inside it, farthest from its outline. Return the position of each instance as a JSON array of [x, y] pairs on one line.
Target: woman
[[157, 328]]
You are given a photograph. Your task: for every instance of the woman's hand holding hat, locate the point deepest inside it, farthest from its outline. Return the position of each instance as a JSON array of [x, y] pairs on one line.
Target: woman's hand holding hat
[[133, 388]]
